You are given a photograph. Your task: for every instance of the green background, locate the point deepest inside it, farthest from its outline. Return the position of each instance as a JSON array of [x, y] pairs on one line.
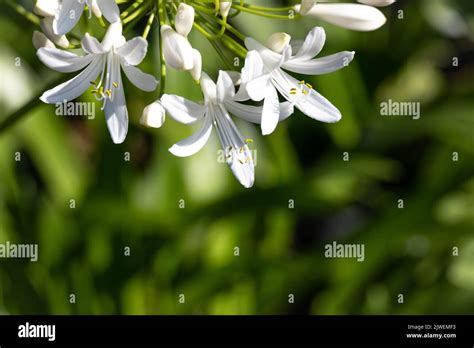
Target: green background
[[190, 251]]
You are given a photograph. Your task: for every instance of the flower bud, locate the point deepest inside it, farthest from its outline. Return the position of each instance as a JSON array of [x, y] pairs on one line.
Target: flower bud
[[277, 42], [378, 3], [184, 19], [47, 27], [154, 115], [40, 40], [224, 8], [177, 50], [46, 8], [350, 16]]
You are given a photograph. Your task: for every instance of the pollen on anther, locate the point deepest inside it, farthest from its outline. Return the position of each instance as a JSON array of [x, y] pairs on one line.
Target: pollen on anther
[[115, 84]]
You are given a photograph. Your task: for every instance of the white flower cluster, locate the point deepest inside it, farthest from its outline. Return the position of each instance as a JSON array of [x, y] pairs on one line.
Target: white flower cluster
[[264, 79]]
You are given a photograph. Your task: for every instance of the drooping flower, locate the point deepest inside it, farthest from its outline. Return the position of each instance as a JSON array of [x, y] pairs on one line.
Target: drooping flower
[[48, 9], [71, 10], [219, 101], [263, 76], [350, 16], [106, 59], [177, 51]]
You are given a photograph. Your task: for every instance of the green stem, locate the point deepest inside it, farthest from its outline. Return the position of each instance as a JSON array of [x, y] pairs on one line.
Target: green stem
[[162, 21], [148, 26], [263, 14], [23, 12]]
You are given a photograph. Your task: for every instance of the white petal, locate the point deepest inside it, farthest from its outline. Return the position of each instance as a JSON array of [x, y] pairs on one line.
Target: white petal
[[74, 87], [46, 25], [68, 16], [196, 71], [40, 40], [113, 36], [145, 82], [110, 10], [270, 111], [184, 19], [320, 66], [63, 61], [91, 45], [134, 51], [310, 103], [378, 3], [195, 142], [46, 8], [350, 16], [252, 69], [153, 115], [225, 87], [238, 154], [116, 115], [257, 88], [209, 89], [177, 50], [253, 113], [312, 45], [182, 110], [235, 76]]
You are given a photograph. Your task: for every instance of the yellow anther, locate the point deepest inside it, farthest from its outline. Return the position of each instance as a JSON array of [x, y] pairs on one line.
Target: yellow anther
[[109, 93], [292, 92], [115, 84], [302, 82], [309, 86], [249, 141], [305, 92]]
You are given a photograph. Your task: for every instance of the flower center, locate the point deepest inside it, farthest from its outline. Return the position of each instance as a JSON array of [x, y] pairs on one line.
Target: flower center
[[108, 83]]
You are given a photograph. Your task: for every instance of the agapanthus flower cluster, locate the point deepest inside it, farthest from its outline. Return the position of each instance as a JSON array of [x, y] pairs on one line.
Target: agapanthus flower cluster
[[265, 91]]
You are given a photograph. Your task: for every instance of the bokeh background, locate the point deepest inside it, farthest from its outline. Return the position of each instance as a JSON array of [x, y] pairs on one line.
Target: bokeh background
[[190, 251]]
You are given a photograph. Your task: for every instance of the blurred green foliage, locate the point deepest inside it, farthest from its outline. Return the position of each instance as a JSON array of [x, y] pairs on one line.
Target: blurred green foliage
[[190, 251]]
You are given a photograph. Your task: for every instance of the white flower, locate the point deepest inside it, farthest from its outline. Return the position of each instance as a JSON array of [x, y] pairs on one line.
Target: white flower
[[350, 16], [104, 59], [263, 76], [40, 40], [71, 10], [153, 115], [378, 3], [177, 51], [218, 102]]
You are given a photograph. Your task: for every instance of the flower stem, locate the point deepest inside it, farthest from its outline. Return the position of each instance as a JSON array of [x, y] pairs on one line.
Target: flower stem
[[162, 21], [151, 18]]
